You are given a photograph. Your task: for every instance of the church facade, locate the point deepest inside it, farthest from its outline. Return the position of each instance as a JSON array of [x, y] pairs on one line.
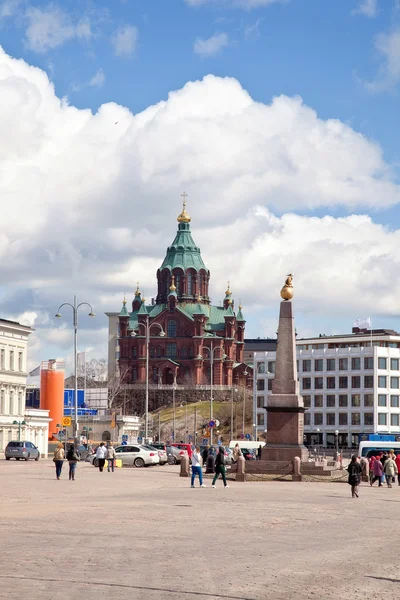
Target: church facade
[[185, 335]]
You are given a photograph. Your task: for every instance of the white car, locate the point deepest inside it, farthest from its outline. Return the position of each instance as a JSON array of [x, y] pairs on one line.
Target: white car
[[137, 456]]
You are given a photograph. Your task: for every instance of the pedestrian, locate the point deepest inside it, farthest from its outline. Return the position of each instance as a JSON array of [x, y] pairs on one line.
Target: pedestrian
[[390, 470], [397, 461], [236, 452], [101, 454], [205, 454], [59, 459], [354, 470], [259, 451], [110, 457], [220, 467], [377, 472], [196, 467], [72, 458]]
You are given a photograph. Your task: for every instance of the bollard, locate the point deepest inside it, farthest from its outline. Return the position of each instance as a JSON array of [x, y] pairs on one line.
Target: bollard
[[297, 476], [184, 466], [210, 464], [241, 469]]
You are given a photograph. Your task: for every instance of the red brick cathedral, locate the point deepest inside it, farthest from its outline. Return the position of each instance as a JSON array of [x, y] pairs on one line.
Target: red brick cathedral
[[187, 334]]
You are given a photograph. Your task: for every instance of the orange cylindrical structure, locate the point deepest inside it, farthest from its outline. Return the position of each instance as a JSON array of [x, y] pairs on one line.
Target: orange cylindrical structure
[[52, 393]]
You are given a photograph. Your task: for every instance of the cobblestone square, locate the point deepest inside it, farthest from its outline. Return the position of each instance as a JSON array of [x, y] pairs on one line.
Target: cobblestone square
[[144, 533]]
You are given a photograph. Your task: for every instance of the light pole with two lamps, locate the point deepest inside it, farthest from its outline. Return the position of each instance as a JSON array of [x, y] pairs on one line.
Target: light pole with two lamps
[[244, 402], [211, 351], [186, 415], [75, 307], [19, 423]]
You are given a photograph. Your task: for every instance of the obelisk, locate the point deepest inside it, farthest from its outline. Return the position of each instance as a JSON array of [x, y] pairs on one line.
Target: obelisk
[[285, 408]]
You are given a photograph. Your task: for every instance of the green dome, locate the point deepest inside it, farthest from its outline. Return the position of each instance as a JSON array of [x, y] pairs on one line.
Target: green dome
[[183, 252]]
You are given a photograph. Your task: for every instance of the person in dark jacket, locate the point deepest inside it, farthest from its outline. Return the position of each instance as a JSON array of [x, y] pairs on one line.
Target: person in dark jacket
[[205, 454], [354, 470], [259, 452], [220, 467], [72, 458]]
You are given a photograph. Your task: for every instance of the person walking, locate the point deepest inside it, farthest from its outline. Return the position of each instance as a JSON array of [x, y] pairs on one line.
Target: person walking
[[101, 454], [259, 451], [110, 457], [59, 459], [377, 472], [196, 467], [220, 467], [72, 458], [390, 470], [205, 454], [236, 452], [354, 470]]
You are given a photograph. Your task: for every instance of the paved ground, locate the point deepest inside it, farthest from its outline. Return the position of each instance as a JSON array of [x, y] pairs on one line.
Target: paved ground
[[144, 534]]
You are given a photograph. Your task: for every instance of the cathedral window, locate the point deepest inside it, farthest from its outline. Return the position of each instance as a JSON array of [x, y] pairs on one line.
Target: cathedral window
[[190, 284], [155, 374], [178, 283], [183, 353], [171, 328], [151, 351], [134, 375], [134, 352], [171, 350]]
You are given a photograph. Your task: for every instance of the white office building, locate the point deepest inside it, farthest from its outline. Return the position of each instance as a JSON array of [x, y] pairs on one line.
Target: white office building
[[350, 385], [15, 420]]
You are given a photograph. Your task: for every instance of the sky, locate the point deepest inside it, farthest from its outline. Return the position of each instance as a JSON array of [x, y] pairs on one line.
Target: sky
[[279, 118]]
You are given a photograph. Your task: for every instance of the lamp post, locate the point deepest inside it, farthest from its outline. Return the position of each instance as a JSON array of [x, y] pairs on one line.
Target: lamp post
[[211, 352], [244, 402], [147, 326], [232, 390], [186, 414], [337, 443], [19, 423], [255, 431], [318, 430], [75, 307]]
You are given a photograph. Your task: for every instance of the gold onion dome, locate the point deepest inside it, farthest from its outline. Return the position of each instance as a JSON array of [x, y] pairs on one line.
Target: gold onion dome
[[228, 291], [172, 287], [137, 293], [184, 217], [240, 307]]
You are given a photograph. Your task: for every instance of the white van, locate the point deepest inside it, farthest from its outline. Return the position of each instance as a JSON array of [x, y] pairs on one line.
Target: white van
[[373, 448], [246, 444]]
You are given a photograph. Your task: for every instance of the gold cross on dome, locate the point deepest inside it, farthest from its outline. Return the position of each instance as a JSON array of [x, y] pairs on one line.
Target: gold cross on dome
[[184, 196]]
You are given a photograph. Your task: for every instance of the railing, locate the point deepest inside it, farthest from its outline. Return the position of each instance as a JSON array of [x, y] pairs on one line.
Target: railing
[[165, 386]]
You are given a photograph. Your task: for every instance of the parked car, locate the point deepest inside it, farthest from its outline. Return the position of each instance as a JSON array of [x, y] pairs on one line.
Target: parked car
[[248, 454], [227, 452], [161, 453], [24, 450], [84, 451], [132, 455], [174, 455], [187, 447]]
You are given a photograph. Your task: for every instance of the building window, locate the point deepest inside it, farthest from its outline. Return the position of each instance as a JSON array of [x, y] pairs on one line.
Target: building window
[[356, 400], [382, 419], [134, 352], [151, 352], [171, 328], [190, 284], [382, 400], [368, 399], [307, 401], [330, 364], [261, 368], [394, 420], [21, 366], [2, 359], [155, 374], [319, 383], [394, 383], [307, 419], [178, 283], [318, 365], [368, 418], [318, 418], [342, 418], [159, 351], [134, 375], [331, 383], [183, 352], [368, 381], [270, 385], [394, 364], [11, 360], [171, 350], [331, 419], [356, 364], [382, 381], [271, 367], [343, 383], [356, 381], [331, 400], [260, 385], [260, 419], [394, 401], [306, 366], [382, 363], [355, 419], [260, 401], [368, 362], [343, 400], [318, 401], [343, 364], [306, 383]]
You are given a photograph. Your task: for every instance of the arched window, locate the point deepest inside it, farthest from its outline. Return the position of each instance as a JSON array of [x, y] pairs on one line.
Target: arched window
[[189, 284], [155, 374], [134, 375], [178, 283], [183, 353], [171, 328], [201, 285], [151, 351], [105, 436]]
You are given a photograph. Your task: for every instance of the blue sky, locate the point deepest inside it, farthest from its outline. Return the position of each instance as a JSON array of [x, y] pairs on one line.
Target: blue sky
[[302, 170]]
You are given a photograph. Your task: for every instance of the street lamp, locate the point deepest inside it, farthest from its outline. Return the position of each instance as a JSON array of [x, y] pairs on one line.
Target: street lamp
[[147, 326], [186, 414], [211, 352], [232, 390], [318, 430], [75, 307], [244, 401], [255, 431], [19, 423], [337, 443]]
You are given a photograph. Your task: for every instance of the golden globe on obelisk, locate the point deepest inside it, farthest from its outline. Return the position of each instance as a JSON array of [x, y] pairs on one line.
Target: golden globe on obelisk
[[285, 406]]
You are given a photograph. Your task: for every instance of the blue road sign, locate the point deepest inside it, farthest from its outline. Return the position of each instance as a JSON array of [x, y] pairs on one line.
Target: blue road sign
[[248, 436], [205, 441], [211, 424]]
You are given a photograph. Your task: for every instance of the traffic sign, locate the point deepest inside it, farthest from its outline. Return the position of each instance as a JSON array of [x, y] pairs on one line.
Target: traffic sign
[[66, 421], [248, 436], [211, 424], [205, 440]]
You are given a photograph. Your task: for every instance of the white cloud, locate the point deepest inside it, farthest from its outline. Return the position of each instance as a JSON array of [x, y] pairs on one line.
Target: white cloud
[[388, 46], [368, 8], [125, 40], [211, 45], [89, 202], [50, 27], [246, 4]]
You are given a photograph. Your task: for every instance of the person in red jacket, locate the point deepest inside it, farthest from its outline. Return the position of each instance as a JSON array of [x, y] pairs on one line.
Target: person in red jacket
[[397, 461]]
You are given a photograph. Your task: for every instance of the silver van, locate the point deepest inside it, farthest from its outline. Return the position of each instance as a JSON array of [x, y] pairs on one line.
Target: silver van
[[23, 450]]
